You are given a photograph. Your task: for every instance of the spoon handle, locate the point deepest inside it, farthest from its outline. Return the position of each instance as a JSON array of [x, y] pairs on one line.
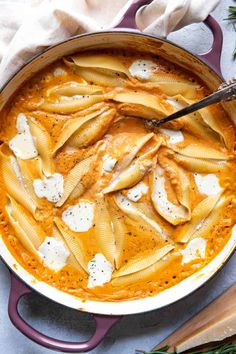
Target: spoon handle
[[226, 92]]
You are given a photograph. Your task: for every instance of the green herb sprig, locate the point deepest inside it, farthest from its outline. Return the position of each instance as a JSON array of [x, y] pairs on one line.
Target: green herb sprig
[[232, 17], [232, 13], [228, 348]]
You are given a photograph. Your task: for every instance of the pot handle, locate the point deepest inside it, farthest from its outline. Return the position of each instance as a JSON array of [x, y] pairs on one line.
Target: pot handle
[[19, 289], [211, 57], [128, 18]]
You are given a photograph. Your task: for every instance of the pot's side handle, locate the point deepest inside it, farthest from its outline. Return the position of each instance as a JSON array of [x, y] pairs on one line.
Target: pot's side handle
[[213, 56], [128, 18], [103, 324]]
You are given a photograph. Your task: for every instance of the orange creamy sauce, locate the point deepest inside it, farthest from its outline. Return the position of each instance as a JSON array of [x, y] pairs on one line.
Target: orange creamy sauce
[[120, 137]]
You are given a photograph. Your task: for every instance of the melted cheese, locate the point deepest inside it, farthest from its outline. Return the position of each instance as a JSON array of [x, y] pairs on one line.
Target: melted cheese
[[53, 253], [109, 163], [142, 69], [174, 103], [137, 191], [59, 71], [100, 271], [23, 143], [196, 248], [79, 217], [50, 188], [175, 136], [208, 184]]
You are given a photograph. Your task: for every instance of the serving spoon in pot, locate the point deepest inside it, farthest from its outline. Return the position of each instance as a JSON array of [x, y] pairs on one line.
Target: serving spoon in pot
[[226, 92]]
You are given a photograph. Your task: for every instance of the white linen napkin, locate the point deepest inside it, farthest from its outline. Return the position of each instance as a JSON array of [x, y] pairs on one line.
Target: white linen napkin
[[29, 26]]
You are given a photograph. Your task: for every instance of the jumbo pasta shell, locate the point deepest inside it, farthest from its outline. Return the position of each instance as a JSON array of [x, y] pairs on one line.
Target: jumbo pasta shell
[[154, 105], [128, 158], [14, 183], [174, 88], [200, 165], [71, 127], [30, 172], [73, 180], [212, 219], [44, 146], [175, 214], [134, 173], [71, 260], [26, 228], [72, 104], [119, 229], [130, 209], [73, 242], [198, 150], [144, 261], [142, 275], [74, 88], [93, 130], [210, 117], [104, 232], [100, 61], [199, 214]]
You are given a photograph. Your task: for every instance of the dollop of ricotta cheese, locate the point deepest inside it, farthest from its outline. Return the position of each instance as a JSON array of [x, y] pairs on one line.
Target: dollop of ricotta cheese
[[23, 143], [100, 271], [208, 184], [79, 217], [175, 136], [58, 72], [196, 248], [142, 69], [136, 192], [53, 253], [51, 188], [74, 97], [108, 163], [174, 103]]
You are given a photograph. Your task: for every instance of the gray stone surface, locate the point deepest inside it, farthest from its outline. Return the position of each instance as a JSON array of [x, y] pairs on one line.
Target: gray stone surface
[[139, 331]]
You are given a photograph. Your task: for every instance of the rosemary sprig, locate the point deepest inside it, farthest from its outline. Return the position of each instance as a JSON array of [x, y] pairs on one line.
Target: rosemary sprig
[[229, 348], [232, 17], [157, 351], [232, 13]]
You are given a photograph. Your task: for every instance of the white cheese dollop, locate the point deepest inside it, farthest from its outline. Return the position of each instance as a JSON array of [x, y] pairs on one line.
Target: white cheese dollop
[[136, 192], [175, 136], [196, 248], [58, 72], [142, 69], [100, 271], [74, 97], [208, 184], [50, 188], [174, 103], [109, 163], [53, 253], [79, 217], [23, 143]]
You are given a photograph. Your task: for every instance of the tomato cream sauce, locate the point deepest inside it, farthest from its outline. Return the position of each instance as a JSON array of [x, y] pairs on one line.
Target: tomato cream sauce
[[116, 138]]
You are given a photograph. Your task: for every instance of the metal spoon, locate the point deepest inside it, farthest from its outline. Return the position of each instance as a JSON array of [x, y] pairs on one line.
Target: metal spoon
[[226, 92]]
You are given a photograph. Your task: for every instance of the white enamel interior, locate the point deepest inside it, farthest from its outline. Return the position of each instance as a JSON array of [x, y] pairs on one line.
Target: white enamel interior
[[128, 41]]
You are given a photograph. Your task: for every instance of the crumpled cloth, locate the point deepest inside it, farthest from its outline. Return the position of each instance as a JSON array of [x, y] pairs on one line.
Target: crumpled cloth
[[28, 27]]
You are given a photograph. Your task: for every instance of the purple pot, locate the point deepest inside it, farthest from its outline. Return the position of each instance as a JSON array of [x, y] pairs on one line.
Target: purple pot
[[126, 28]]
